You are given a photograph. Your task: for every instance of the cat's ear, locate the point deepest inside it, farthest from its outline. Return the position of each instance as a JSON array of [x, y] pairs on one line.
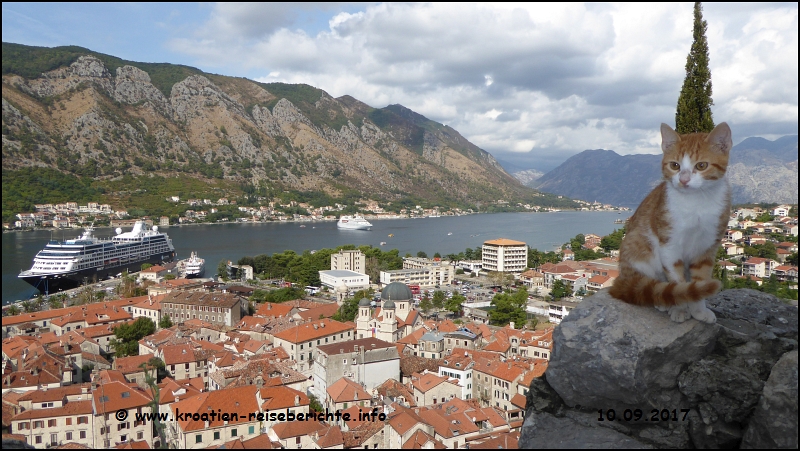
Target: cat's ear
[[720, 138], [669, 137]]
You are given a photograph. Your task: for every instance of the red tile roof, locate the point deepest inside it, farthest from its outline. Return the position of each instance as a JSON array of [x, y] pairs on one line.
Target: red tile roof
[[70, 408], [346, 390], [422, 440], [239, 399], [282, 397], [312, 331], [291, 429], [112, 396], [268, 309]]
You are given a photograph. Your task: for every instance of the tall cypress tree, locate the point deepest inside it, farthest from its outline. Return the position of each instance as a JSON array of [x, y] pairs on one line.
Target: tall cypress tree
[[694, 104]]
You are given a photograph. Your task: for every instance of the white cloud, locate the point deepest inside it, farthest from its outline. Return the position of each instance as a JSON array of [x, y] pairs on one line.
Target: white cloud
[[554, 78]]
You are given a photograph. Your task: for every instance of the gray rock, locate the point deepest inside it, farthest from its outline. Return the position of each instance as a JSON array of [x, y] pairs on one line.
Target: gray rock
[[611, 355], [774, 423], [542, 430], [608, 354]]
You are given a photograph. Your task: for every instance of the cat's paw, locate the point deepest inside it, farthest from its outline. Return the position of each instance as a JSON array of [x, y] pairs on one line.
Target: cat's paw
[[679, 313], [702, 313], [661, 308]]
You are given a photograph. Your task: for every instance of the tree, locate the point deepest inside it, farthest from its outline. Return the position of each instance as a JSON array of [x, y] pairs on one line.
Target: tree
[[222, 269], [153, 366], [792, 259], [127, 336], [438, 300], [421, 254], [613, 240], [146, 266], [165, 323], [693, 114], [559, 290], [469, 254], [348, 310], [509, 307], [314, 404], [169, 277], [56, 301], [453, 304], [13, 311], [437, 255], [425, 305]]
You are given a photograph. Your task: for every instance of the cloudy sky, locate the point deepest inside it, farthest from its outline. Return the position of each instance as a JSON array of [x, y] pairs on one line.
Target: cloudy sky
[[532, 84]]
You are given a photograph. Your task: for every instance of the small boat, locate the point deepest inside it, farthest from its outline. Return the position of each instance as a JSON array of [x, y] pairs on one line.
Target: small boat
[[450, 233], [302, 225], [391, 235], [383, 243]]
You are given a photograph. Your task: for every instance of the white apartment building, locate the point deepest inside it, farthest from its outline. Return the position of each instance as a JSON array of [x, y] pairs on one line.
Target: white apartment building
[[428, 276], [504, 255], [351, 279], [353, 260]]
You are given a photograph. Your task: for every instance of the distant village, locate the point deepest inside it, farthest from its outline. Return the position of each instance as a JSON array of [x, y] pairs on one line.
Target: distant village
[[72, 215], [219, 367]]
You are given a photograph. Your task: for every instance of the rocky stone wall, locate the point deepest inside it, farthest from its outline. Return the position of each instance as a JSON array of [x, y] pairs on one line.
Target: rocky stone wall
[[732, 384]]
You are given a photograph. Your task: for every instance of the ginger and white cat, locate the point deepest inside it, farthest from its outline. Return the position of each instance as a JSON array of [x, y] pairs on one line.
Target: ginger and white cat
[[670, 244]]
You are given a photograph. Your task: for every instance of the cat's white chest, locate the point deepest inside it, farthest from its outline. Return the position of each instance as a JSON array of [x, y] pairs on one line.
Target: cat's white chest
[[694, 220]]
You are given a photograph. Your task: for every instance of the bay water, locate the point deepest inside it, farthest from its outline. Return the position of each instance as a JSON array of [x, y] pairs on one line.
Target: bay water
[[231, 241]]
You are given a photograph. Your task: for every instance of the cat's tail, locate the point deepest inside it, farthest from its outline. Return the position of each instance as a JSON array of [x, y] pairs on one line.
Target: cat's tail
[[646, 291]]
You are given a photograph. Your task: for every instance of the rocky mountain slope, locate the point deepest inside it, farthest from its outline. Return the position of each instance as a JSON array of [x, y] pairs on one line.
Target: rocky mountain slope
[[760, 171], [98, 116]]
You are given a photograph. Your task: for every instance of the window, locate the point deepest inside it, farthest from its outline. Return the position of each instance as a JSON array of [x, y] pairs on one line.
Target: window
[[233, 432], [198, 438], [38, 439], [251, 430], [51, 423], [216, 435], [123, 438], [69, 436], [297, 440], [38, 424], [22, 426], [186, 367], [139, 435]]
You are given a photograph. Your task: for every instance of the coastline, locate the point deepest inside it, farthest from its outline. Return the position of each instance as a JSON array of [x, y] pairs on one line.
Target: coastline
[[369, 217]]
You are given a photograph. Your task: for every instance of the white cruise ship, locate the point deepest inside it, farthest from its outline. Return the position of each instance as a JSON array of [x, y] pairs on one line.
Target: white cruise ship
[[195, 266], [353, 223], [68, 264]]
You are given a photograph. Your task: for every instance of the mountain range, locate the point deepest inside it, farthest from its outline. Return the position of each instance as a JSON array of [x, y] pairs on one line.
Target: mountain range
[[760, 170], [96, 116]]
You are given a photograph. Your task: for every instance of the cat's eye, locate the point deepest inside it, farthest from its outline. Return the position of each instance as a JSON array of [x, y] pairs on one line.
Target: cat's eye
[[674, 165], [701, 166]]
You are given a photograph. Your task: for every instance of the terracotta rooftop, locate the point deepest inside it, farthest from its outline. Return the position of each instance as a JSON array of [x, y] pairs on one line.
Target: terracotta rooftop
[[346, 390], [426, 382], [282, 398], [70, 408], [422, 440], [504, 242], [132, 364], [239, 400], [312, 330], [113, 396], [290, 429], [269, 309]]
